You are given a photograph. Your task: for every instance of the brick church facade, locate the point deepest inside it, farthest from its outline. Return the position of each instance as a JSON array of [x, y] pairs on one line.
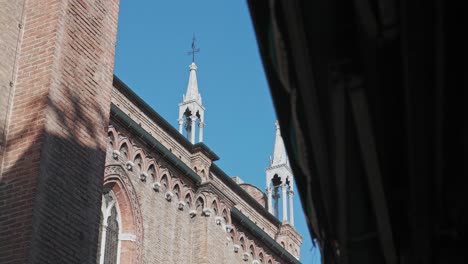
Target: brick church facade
[[90, 173]]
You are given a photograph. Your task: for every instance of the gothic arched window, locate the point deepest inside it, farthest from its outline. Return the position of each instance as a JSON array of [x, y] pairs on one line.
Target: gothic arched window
[[199, 204], [109, 230], [214, 207]]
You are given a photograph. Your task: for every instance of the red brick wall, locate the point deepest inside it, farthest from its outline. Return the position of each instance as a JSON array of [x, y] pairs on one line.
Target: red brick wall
[[51, 181]]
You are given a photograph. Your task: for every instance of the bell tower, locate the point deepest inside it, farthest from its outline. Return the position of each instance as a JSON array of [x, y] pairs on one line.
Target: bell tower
[[279, 181], [191, 110]]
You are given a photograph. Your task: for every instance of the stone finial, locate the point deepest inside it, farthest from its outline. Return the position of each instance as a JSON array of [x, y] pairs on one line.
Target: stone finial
[[157, 186], [143, 176], [181, 205], [206, 211], [168, 195], [219, 220], [193, 213], [236, 248], [129, 165], [115, 154]]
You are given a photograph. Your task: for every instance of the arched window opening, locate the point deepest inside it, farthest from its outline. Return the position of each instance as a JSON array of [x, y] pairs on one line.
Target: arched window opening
[[164, 183], [252, 252], [231, 234], [199, 204], [283, 245], [176, 191], [152, 171], [225, 216], [138, 161], [108, 249], [242, 243], [111, 139], [260, 258], [214, 207], [269, 262], [124, 150], [188, 200]]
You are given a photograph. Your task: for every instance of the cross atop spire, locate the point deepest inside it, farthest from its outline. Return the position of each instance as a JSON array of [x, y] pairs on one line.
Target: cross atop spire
[[194, 49]]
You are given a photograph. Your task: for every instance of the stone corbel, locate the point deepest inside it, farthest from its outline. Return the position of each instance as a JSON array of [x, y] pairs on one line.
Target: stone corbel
[[181, 205], [192, 213], [168, 196], [219, 220], [115, 154], [236, 248], [129, 165], [143, 176], [229, 228], [206, 212], [245, 256], [156, 186]]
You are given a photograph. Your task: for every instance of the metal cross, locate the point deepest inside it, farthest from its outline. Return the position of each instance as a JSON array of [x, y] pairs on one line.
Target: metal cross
[[194, 49]]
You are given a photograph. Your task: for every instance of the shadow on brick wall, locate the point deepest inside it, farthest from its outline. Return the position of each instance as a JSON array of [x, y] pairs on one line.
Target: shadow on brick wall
[[50, 198]]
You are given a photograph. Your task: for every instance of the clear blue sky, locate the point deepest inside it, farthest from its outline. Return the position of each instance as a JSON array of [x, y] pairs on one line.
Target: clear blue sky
[[151, 58]]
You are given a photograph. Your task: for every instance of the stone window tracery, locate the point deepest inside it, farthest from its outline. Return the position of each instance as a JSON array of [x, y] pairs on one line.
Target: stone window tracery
[[164, 183], [111, 139], [252, 252], [176, 192], [124, 150], [188, 200], [152, 171], [214, 207], [109, 244], [138, 161], [242, 243], [199, 204]]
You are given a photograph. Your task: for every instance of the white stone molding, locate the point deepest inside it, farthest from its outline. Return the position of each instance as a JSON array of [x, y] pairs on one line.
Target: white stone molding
[[193, 213], [219, 220], [129, 165], [229, 228], [181, 205], [206, 212], [127, 237], [245, 256], [143, 176], [157, 186], [115, 154], [168, 195], [236, 248], [255, 262]]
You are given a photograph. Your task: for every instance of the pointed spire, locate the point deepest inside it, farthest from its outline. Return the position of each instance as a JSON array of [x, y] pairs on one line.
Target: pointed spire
[[192, 87], [279, 151]]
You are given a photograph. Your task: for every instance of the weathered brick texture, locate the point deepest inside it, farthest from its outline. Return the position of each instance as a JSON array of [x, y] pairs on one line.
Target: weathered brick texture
[[51, 181]]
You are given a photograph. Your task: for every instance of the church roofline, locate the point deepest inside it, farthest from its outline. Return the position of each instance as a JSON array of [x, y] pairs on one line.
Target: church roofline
[[264, 237], [244, 194], [166, 126], [154, 144]]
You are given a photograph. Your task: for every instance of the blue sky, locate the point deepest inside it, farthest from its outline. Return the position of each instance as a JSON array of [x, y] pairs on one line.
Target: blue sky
[[151, 58]]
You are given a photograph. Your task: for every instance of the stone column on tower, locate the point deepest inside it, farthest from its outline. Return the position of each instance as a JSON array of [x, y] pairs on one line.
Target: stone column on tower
[[291, 209], [193, 120], [201, 125], [269, 197], [285, 207]]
